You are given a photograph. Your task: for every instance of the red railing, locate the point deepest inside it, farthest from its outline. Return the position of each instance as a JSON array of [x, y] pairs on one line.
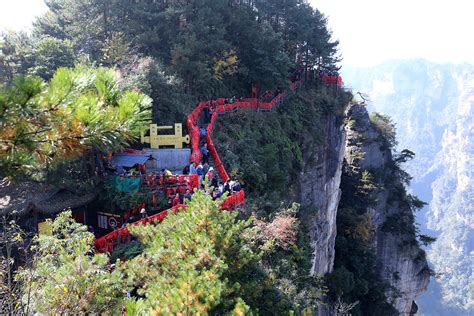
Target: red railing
[[332, 80], [122, 235], [179, 184], [219, 106]]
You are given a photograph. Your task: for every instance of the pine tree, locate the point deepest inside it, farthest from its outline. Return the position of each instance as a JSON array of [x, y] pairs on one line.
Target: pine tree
[[189, 260], [67, 278], [78, 110]]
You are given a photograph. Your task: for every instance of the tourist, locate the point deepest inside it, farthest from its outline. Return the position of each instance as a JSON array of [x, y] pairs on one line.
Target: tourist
[[236, 187], [231, 186], [187, 196], [176, 200], [143, 213], [220, 185], [210, 174], [199, 171], [186, 169], [192, 168], [227, 187], [216, 194], [205, 153], [205, 168], [202, 133], [214, 182], [166, 173]]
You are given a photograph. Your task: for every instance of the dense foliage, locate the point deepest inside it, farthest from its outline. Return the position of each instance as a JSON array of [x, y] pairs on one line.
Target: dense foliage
[[21, 54], [193, 48], [191, 261], [199, 260], [66, 277], [266, 150]]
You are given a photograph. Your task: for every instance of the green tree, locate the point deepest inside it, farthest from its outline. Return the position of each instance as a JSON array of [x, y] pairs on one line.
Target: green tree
[[190, 260], [47, 55], [78, 110], [67, 278], [13, 245], [116, 50], [13, 48], [387, 129], [215, 47], [88, 24], [307, 39], [23, 54]]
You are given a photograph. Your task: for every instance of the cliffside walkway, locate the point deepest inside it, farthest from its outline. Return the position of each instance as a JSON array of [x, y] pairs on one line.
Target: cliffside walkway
[[216, 107]]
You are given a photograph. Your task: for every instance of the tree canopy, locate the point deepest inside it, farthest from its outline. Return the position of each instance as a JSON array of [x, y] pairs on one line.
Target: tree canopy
[[190, 261], [66, 277], [260, 39]]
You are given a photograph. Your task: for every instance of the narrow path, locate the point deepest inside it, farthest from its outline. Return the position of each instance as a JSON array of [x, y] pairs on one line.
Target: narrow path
[[217, 107]]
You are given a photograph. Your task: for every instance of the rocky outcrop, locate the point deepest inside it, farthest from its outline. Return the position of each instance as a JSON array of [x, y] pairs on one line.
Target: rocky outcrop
[[319, 191], [432, 105], [401, 263]]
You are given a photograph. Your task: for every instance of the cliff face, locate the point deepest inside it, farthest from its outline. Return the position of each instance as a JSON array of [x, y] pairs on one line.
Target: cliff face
[[400, 262], [319, 191], [432, 107]]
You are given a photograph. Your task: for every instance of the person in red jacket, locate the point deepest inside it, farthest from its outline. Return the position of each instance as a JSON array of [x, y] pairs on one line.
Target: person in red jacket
[[176, 200], [210, 174]]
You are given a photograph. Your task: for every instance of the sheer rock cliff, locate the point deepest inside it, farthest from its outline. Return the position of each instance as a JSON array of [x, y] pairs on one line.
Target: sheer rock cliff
[[432, 105], [401, 263], [319, 191]]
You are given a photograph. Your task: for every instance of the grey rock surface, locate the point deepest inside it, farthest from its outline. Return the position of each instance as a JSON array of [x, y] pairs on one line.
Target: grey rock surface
[[432, 105], [400, 262], [319, 190]]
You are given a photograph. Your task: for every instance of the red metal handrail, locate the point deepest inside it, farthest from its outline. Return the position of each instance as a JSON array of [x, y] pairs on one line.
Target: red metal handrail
[[106, 243]]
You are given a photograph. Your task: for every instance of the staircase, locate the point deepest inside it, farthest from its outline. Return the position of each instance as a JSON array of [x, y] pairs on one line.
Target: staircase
[[108, 242]]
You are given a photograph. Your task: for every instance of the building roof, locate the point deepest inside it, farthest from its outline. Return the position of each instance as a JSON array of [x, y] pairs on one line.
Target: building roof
[[62, 200], [129, 160], [20, 198]]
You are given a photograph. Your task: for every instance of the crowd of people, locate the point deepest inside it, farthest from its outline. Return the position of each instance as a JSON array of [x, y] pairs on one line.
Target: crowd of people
[[208, 177], [207, 173]]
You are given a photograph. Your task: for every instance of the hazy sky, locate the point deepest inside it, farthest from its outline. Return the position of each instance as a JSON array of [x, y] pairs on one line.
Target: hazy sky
[[370, 31], [19, 14]]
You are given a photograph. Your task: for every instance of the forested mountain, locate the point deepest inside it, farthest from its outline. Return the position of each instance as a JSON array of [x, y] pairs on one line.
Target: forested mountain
[[322, 230], [432, 106], [209, 45]]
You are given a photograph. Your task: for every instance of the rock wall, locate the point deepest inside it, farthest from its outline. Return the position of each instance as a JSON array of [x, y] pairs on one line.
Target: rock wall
[[400, 261], [319, 191], [432, 105]]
